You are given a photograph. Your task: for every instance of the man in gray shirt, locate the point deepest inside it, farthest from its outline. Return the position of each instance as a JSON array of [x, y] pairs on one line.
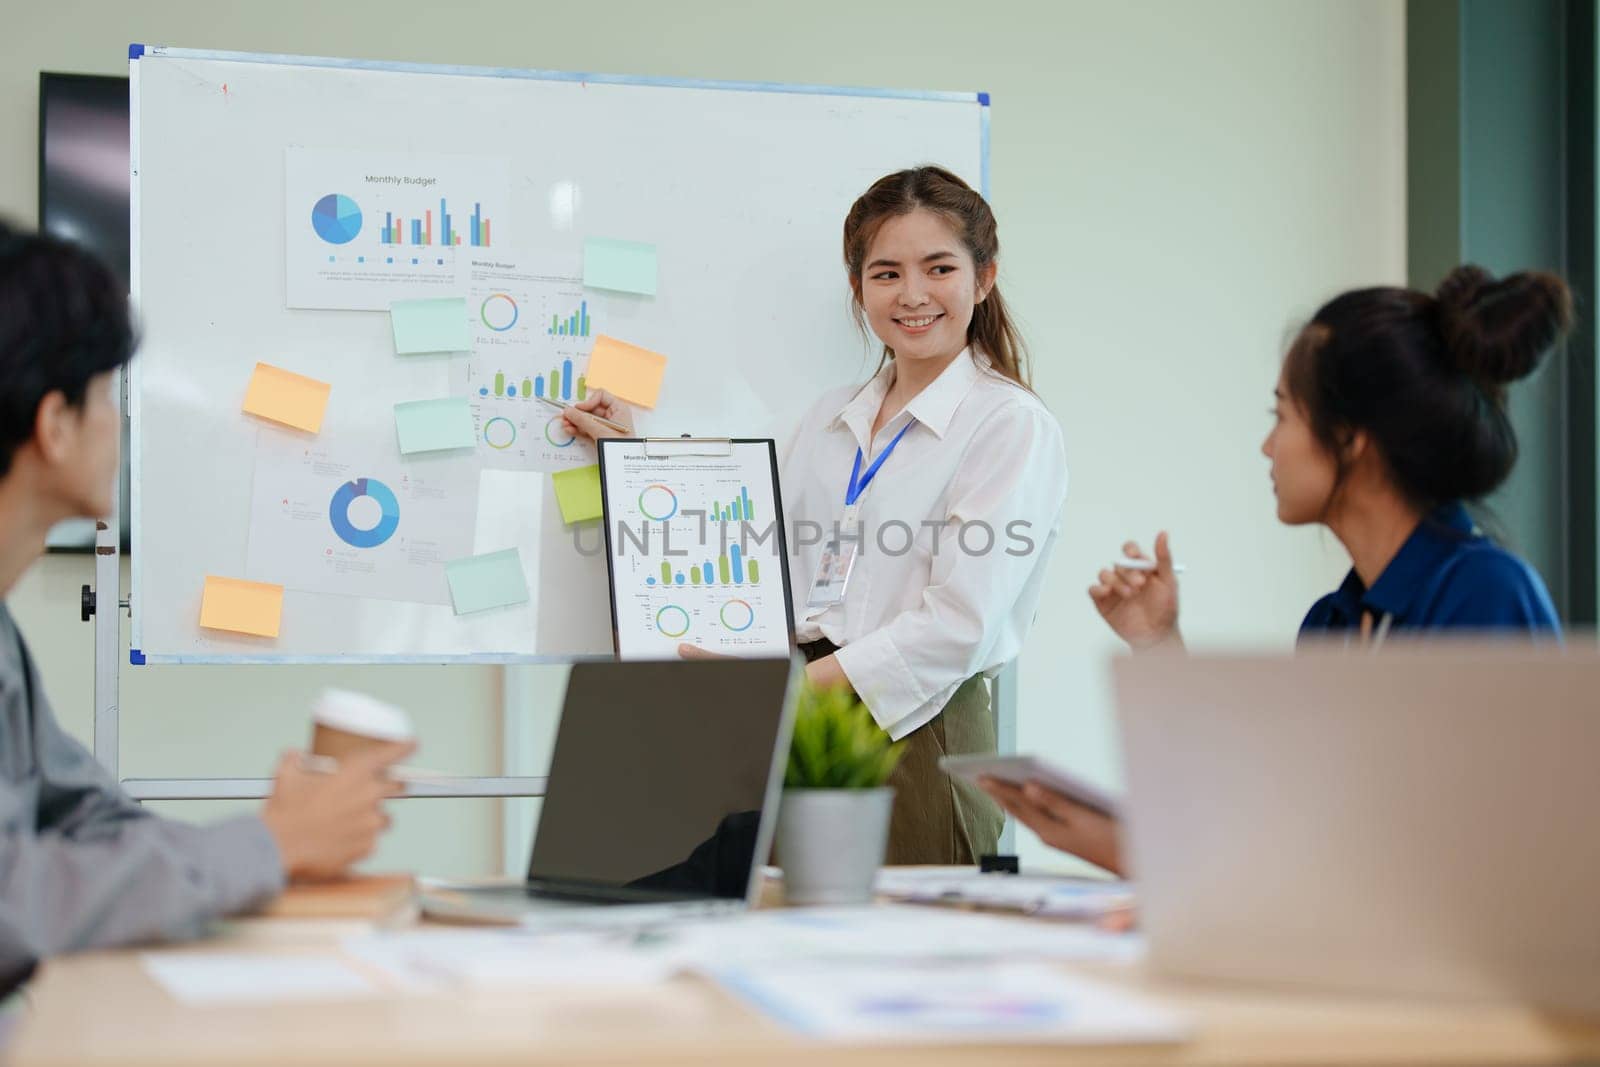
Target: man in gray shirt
[[81, 864]]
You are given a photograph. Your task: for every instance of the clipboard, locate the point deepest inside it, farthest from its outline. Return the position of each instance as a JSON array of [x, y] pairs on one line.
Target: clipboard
[[675, 572]]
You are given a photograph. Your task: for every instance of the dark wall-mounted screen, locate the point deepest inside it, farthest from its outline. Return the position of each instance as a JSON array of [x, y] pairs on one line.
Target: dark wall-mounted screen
[[83, 196]]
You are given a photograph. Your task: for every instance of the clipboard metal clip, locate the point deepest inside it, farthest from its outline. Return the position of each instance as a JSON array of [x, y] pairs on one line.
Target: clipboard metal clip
[[668, 447]]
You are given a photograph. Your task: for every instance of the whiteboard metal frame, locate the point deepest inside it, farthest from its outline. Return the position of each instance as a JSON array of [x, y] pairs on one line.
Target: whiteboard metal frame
[[108, 572]]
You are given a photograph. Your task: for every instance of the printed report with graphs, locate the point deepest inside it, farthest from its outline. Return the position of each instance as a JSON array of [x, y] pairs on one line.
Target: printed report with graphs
[[695, 548]]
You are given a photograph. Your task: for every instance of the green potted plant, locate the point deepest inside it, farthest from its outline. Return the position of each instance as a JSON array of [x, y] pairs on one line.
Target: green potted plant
[[833, 824]]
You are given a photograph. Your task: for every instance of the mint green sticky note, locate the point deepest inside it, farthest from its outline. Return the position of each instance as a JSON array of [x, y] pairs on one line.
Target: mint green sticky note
[[437, 325], [626, 266], [432, 425], [578, 493], [492, 580]]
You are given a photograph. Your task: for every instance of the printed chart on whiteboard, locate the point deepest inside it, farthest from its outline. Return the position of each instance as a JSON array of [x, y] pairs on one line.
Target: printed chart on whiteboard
[[364, 229], [695, 551], [340, 515], [533, 326]]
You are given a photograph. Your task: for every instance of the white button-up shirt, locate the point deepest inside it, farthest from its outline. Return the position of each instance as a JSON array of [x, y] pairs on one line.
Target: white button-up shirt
[[957, 527]]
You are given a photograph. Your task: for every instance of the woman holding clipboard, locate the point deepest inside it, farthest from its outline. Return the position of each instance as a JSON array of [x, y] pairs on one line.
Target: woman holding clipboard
[[938, 488]]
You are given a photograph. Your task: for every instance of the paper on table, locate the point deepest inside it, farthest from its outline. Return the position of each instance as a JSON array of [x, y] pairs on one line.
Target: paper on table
[[894, 932], [492, 580], [236, 977], [950, 1002], [241, 607], [430, 960], [286, 397], [578, 493], [628, 371], [434, 425], [624, 266], [435, 325], [1057, 897]]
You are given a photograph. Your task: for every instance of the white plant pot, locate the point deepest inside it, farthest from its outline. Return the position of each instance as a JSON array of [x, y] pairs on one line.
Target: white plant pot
[[831, 843]]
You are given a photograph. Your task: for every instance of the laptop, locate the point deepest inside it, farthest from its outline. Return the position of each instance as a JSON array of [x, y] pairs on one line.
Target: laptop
[[662, 796], [1424, 821]]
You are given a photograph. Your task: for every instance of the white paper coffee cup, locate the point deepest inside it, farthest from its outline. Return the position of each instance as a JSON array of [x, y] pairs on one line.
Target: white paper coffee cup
[[345, 722]]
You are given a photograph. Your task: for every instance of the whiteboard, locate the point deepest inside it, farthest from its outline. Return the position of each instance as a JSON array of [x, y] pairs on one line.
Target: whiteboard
[[742, 189]]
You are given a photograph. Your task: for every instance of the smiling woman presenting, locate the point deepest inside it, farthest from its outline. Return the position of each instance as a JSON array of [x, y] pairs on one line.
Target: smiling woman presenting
[[938, 488]]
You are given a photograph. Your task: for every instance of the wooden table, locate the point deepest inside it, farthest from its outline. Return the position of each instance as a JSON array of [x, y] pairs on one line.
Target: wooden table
[[102, 1008]]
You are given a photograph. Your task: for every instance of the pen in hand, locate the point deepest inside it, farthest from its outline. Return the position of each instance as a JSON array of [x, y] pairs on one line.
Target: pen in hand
[[1128, 563], [607, 423]]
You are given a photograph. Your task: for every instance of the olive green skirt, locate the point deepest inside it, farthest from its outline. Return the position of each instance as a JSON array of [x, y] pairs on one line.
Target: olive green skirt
[[938, 819]]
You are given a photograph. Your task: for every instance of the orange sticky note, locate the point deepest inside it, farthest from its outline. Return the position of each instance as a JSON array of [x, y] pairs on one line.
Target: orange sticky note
[[286, 397], [242, 607], [625, 370]]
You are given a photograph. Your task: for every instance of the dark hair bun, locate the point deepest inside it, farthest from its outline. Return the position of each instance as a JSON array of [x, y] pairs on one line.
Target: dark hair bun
[[1497, 331]]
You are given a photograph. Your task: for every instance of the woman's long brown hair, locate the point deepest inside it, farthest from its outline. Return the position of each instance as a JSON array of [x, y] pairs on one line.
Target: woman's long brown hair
[[991, 331]]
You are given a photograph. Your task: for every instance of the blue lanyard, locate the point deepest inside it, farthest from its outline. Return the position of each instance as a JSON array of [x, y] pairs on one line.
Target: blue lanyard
[[859, 481]]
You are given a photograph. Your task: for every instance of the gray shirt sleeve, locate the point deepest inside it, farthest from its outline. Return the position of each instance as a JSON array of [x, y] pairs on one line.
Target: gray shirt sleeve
[[81, 864]]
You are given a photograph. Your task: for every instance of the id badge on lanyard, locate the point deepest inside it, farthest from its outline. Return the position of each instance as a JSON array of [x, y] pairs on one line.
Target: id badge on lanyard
[[839, 553], [838, 560]]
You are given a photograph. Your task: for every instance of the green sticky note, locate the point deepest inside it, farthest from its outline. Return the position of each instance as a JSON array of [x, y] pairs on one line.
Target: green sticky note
[[438, 325], [432, 425], [492, 580], [578, 493], [626, 266]]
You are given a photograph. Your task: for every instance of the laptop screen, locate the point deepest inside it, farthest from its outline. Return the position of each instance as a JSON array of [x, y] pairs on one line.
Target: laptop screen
[[660, 773]]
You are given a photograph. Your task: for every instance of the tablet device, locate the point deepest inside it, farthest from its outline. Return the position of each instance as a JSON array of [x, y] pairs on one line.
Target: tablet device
[[1021, 769]]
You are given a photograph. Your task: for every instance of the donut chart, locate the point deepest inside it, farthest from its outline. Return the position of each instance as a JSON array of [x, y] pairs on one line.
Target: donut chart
[[499, 433], [737, 615], [556, 434], [658, 503], [388, 507], [672, 621], [499, 312]]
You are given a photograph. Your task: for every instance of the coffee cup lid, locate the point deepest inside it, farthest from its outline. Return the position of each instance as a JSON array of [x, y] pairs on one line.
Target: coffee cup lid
[[357, 713]]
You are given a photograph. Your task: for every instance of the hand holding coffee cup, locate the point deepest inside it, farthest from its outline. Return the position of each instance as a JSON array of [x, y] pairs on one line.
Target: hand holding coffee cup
[[325, 821]]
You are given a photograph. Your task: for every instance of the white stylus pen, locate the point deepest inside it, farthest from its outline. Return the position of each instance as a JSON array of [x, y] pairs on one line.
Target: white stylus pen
[[1144, 565]]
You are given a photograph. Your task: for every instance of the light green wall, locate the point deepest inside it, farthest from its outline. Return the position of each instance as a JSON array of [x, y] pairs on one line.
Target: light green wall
[[1178, 185]]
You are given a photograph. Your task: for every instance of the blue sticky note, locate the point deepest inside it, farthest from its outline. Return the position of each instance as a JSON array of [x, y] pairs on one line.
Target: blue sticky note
[[436, 325], [492, 580], [626, 266], [432, 425]]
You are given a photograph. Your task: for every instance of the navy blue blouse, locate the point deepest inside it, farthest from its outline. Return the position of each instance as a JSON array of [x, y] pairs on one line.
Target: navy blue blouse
[[1447, 576]]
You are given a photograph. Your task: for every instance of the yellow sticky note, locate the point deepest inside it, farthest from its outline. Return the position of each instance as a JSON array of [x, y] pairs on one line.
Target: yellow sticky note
[[242, 607], [627, 371], [286, 397], [578, 493]]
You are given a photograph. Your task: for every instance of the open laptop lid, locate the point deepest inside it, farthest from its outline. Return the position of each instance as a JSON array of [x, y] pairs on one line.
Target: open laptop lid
[[1420, 821], [665, 778]]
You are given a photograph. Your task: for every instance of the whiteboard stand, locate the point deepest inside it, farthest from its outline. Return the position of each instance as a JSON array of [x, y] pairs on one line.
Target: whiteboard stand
[[182, 98], [108, 611]]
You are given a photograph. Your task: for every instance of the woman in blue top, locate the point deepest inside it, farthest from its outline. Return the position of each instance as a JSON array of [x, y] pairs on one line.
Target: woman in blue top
[[1389, 415]]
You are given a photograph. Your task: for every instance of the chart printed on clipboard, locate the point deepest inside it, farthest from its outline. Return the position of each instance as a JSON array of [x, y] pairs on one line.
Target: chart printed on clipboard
[[696, 552]]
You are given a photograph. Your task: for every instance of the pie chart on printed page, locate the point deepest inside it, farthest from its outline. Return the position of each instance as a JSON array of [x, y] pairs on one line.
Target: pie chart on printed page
[[336, 218]]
